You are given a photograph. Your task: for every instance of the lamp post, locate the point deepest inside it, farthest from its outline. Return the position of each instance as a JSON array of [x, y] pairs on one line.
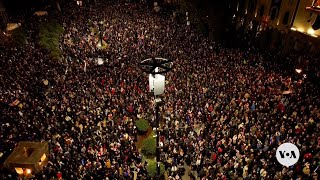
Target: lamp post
[[158, 136], [100, 34], [155, 67]]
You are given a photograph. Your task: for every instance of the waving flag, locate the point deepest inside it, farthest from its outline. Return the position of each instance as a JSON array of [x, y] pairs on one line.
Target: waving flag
[[14, 103]]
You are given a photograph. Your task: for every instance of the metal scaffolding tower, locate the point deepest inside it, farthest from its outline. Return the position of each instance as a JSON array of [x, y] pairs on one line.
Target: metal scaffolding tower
[[3, 15]]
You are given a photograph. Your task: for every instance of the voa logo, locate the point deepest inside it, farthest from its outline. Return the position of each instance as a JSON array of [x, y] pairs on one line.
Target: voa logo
[[284, 154], [287, 154]]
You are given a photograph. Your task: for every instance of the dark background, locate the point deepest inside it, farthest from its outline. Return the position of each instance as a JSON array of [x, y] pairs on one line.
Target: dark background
[[14, 7]]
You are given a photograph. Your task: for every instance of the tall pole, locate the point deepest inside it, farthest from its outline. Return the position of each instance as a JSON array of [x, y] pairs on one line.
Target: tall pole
[[157, 138], [157, 66]]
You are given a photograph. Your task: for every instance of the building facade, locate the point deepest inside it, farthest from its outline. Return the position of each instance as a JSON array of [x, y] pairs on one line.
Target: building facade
[[290, 17], [3, 15], [280, 14]]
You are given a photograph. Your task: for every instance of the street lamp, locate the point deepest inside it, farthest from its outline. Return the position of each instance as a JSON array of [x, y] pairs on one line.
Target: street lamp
[[100, 34], [155, 67]]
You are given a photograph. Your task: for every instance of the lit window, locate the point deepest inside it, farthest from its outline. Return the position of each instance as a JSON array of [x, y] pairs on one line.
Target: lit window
[[43, 158], [19, 170], [274, 13], [286, 18], [261, 11], [28, 171]]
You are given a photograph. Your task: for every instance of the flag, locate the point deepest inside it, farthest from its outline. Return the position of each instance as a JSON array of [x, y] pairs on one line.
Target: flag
[[287, 92], [14, 103]]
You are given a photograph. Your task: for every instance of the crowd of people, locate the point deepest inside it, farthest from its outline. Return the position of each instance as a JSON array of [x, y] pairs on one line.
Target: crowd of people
[[224, 115]]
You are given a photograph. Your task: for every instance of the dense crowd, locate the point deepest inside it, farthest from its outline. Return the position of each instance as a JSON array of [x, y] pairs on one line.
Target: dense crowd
[[225, 112]]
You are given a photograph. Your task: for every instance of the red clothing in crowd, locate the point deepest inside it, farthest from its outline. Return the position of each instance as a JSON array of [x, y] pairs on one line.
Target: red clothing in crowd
[[162, 138], [139, 90], [130, 109], [141, 109], [281, 107], [214, 157], [126, 158], [298, 130], [56, 149], [209, 118], [113, 91], [307, 156], [172, 88], [148, 88], [122, 90], [59, 175], [210, 108]]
